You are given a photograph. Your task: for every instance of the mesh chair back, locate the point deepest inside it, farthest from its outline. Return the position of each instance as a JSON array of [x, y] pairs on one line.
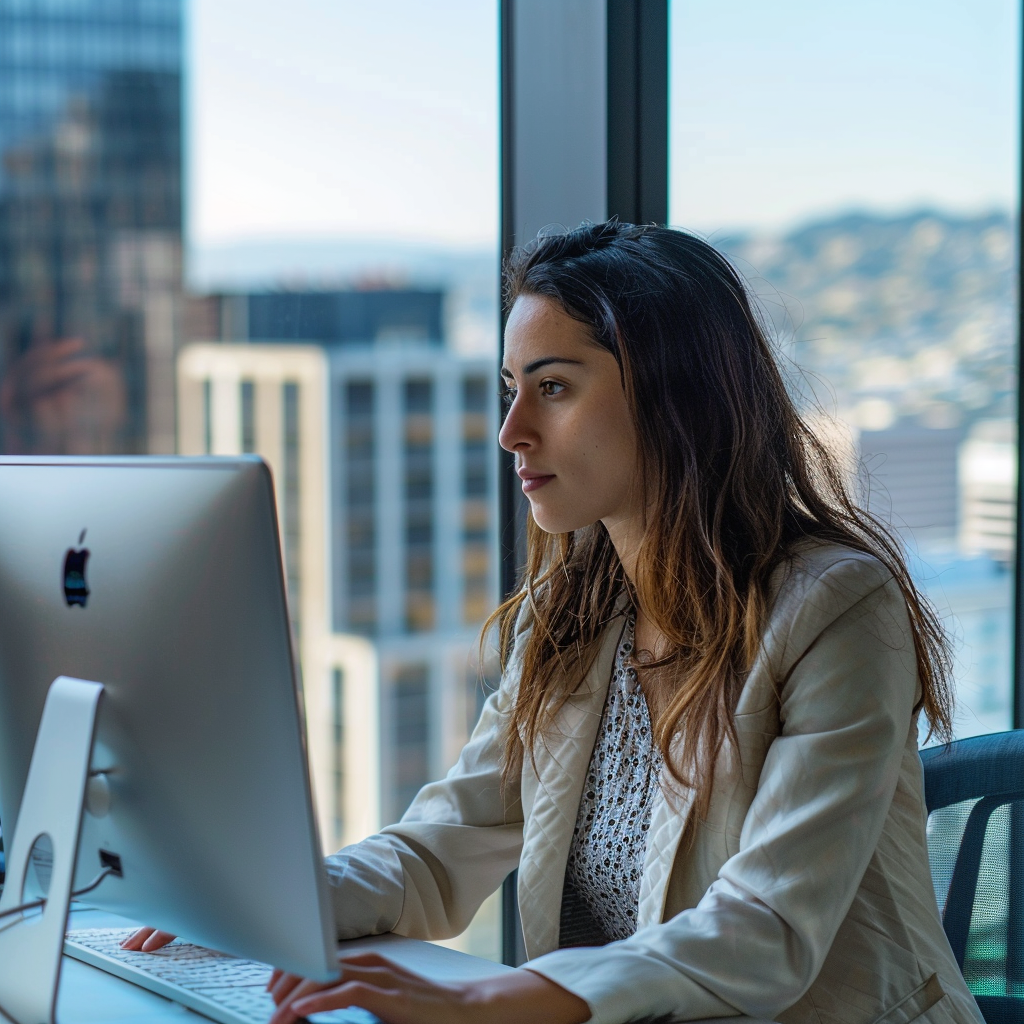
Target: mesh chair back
[[974, 789]]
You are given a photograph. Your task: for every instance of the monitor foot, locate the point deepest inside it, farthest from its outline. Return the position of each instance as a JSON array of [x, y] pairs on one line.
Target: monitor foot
[[45, 841]]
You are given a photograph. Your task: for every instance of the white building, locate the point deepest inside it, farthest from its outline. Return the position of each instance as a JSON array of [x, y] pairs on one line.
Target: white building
[[272, 400], [987, 467]]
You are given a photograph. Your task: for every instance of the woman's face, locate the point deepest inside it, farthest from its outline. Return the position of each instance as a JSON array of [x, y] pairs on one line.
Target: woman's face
[[568, 423]]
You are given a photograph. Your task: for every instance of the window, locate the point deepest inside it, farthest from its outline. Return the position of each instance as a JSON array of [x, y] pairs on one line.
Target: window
[[338, 729], [339, 293], [248, 402], [410, 726], [858, 163], [355, 583]]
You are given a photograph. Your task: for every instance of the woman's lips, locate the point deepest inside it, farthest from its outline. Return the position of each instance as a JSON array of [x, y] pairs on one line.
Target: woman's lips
[[531, 483]]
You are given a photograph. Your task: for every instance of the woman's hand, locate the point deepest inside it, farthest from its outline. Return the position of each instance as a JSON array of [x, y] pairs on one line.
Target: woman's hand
[[398, 996], [146, 940]]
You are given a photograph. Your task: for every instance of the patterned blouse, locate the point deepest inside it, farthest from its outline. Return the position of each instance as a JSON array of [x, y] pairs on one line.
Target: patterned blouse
[[602, 879]]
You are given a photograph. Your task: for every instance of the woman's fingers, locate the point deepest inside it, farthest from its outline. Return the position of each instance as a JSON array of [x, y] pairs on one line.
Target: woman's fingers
[[282, 986], [362, 967], [374, 983], [147, 939], [286, 1012], [157, 940], [351, 993], [137, 938]]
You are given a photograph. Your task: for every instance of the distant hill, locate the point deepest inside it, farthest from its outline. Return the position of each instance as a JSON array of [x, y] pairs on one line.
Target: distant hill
[[915, 313], [918, 309]]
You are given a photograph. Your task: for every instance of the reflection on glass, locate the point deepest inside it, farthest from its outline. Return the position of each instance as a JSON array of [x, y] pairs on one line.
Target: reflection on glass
[[874, 214], [90, 225]]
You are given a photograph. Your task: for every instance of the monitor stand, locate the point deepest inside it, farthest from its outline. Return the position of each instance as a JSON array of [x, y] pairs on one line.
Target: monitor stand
[[31, 942]]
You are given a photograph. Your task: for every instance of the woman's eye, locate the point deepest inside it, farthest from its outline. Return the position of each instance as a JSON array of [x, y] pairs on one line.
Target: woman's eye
[[507, 396], [551, 387]]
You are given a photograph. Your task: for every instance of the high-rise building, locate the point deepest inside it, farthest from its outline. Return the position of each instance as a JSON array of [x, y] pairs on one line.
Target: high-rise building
[[414, 541], [90, 224]]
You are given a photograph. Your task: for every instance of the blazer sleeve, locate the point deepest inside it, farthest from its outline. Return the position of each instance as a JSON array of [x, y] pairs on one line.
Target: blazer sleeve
[[427, 875], [757, 939]]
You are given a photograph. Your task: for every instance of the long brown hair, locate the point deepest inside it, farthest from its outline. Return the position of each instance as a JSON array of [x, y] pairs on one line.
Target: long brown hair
[[735, 476]]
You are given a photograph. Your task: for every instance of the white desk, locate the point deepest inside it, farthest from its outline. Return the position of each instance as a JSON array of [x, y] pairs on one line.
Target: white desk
[[90, 996]]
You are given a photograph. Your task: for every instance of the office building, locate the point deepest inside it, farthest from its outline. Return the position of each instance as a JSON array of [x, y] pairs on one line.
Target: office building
[[988, 483], [414, 540], [90, 222]]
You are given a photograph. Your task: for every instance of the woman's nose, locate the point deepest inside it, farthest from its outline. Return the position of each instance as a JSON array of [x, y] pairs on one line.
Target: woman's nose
[[513, 435]]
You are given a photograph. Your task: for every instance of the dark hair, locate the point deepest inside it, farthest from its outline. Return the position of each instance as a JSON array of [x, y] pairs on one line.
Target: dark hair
[[734, 474]]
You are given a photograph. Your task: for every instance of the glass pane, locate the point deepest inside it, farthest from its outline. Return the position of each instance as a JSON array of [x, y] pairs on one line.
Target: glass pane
[[336, 314], [858, 162], [341, 321]]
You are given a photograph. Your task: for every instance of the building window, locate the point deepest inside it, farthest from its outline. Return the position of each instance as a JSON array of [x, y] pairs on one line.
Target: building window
[[894, 293], [248, 406], [207, 416], [360, 506], [410, 721], [338, 731], [477, 456], [418, 468]]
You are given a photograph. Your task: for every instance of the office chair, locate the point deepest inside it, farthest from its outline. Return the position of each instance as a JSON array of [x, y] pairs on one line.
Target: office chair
[[974, 789]]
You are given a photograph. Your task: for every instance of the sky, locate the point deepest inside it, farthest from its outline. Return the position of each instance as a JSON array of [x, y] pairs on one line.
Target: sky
[[783, 110], [325, 119]]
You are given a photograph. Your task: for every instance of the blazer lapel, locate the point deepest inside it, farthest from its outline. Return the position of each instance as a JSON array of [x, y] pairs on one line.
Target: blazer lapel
[[562, 758], [669, 816]]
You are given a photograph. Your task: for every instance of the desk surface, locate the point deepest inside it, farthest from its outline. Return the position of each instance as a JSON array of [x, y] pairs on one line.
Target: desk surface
[[90, 996]]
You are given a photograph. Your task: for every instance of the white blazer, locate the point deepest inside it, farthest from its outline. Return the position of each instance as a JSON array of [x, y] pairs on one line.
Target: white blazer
[[804, 897]]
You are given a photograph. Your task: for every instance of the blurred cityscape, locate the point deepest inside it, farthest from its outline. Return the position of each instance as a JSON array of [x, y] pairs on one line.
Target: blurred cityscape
[[899, 334], [365, 374]]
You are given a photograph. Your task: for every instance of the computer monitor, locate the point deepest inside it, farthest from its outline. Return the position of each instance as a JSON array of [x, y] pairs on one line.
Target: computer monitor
[[179, 610]]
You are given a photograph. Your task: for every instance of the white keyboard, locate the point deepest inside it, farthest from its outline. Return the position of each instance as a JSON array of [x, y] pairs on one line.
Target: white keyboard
[[216, 985]]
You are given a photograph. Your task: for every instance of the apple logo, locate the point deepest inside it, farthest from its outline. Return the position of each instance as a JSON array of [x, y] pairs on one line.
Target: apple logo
[[76, 591]]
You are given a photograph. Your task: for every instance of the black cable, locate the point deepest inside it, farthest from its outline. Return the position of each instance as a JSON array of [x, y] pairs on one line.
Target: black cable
[[95, 882], [32, 904], [24, 906]]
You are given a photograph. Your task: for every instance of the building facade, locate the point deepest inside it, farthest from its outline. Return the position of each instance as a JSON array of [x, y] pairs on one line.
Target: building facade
[[90, 224], [414, 542], [383, 461]]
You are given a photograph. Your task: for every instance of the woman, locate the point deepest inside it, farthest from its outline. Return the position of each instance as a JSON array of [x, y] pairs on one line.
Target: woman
[[702, 756]]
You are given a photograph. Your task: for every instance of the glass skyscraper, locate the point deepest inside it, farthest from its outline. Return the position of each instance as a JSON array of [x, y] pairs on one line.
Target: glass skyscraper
[[90, 224]]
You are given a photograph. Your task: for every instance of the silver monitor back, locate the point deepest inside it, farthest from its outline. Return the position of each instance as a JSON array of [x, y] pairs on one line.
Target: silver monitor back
[[201, 722]]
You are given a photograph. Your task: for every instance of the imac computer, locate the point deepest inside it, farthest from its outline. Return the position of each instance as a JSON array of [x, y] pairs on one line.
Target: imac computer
[[158, 582]]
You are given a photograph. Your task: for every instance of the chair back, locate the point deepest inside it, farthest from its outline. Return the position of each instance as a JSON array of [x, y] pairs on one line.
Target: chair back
[[974, 790]]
